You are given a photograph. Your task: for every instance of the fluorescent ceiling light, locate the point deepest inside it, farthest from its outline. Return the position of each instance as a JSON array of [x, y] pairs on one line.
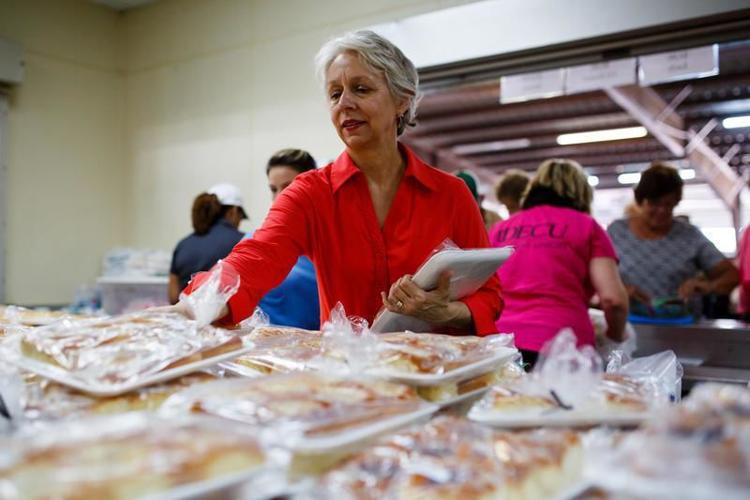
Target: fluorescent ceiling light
[[736, 122], [612, 134], [629, 178], [593, 180], [687, 174], [489, 147]]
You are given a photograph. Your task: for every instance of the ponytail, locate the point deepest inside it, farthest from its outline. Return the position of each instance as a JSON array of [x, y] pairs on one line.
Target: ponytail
[[206, 211]]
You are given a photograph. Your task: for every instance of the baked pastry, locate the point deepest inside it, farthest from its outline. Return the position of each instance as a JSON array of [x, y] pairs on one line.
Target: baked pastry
[[452, 458], [621, 393], [431, 353], [309, 404], [121, 349], [32, 317], [281, 350], [436, 354], [44, 399], [513, 398], [125, 456]]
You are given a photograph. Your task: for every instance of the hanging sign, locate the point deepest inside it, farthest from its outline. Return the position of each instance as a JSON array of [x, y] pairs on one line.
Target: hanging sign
[[679, 65], [600, 75], [527, 86]]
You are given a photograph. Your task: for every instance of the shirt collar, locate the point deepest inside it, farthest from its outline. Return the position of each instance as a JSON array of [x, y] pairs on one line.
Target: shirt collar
[[343, 169]]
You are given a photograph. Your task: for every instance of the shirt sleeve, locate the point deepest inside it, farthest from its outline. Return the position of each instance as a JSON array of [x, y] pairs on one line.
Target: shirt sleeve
[[601, 244], [469, 232], [707, 255], [173, 264], [265, 260]]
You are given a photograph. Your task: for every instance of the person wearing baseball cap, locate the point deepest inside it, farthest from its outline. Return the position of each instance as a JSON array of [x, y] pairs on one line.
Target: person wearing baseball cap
[[216, 217]]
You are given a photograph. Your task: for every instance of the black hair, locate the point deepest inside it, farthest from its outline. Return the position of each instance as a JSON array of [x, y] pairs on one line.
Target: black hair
[[657, 181], [206, 211], [299, 160]]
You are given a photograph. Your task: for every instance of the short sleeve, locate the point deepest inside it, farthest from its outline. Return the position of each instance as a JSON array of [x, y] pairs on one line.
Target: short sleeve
[[601, 244], [173, 265], [707, 255]]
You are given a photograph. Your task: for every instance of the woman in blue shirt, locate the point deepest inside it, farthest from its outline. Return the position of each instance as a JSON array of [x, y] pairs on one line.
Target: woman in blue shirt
[[216, 215], [295, 301]]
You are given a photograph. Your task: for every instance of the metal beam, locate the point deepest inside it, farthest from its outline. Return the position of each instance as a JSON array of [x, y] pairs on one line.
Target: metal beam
[[645, 105]]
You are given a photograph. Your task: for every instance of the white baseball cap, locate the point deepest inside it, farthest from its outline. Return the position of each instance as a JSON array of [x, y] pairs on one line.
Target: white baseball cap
[[228, 194]]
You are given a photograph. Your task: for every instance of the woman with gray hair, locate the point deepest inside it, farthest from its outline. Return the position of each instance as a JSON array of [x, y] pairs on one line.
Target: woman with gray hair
[[370, 218]]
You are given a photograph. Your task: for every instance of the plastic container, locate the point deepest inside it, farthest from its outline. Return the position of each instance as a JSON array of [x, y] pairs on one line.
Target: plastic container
[[123, 294]]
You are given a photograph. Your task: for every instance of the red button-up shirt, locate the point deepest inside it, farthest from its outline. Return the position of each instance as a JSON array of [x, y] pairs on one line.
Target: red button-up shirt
[[327, 214]]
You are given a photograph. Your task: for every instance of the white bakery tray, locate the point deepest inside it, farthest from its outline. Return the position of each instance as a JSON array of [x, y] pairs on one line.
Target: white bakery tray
[[556, 418], [64, 377], [351, 437], [502, 355]]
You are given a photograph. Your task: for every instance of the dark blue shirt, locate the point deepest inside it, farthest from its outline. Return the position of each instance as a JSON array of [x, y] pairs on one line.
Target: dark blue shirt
[[200, 252]]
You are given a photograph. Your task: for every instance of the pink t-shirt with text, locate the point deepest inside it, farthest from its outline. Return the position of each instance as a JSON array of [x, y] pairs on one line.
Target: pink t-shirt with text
[[743, 256], [546, 282]]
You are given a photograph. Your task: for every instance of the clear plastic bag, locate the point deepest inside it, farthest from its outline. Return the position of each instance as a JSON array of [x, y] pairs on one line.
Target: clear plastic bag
[[207, 301], [568, 373], [662, 372], [606, 346], [348, 340], [258, 319]]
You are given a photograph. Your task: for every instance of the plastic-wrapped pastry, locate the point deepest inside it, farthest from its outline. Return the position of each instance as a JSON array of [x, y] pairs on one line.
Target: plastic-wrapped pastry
[[44, 399], [31, 317], [452, 458], [127, 456], [568, 387], [433, 353], [278, 350], [302, 404], [698, 449], [442, 367], [118, 350]]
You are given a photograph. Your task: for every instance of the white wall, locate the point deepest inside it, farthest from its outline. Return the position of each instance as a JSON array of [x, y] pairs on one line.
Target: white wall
[[66, 167], [214, 88]]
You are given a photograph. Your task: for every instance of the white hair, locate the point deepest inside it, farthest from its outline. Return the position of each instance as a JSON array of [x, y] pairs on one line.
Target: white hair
[[379, 55]]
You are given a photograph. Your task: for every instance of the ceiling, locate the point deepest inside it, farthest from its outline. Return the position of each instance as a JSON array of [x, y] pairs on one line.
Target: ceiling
[[121, 5], [457, 125]]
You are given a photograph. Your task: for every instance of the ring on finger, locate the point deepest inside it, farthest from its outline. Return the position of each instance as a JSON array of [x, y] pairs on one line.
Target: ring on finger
[[399, 304]]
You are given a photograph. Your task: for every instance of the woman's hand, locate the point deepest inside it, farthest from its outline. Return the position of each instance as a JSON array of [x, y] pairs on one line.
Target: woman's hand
[[638, 295], [692, 286], [434, 307]]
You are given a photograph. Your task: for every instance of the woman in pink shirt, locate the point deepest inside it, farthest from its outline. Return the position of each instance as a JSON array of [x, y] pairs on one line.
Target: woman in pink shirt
[[562, 258], [743, 258]]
